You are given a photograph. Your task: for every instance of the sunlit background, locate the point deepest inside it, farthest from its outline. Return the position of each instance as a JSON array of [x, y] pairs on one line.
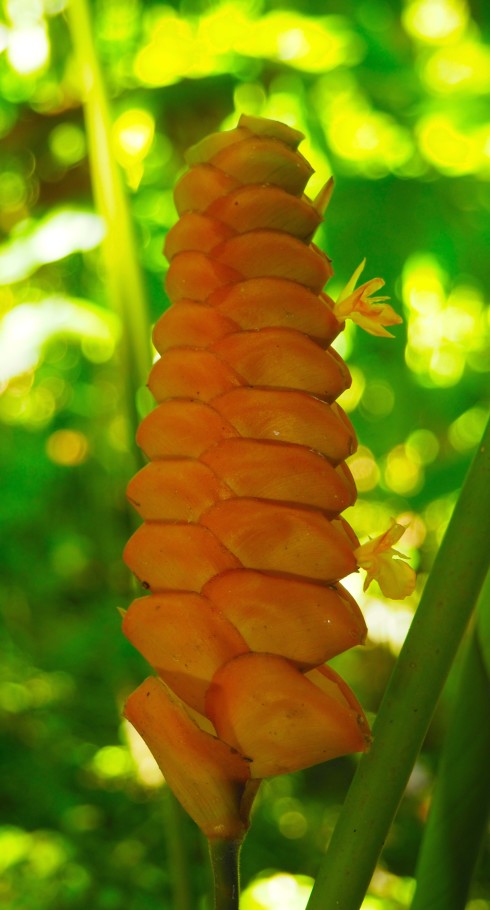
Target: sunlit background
[[393, 98]]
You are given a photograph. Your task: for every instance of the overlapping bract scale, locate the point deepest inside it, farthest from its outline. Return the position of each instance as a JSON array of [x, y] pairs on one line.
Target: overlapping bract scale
[[242, 545]]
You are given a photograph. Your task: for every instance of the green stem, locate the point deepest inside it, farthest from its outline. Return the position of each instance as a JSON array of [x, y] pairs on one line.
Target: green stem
[[461, 801], [178, 865], [411, 696], [126, 291], [225, 861]]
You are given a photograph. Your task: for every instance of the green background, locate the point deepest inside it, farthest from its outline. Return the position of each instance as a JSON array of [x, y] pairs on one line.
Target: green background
[[393, 100]]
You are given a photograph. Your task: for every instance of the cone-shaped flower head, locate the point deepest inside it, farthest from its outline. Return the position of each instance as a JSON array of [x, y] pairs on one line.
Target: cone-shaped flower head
[[243, 544]]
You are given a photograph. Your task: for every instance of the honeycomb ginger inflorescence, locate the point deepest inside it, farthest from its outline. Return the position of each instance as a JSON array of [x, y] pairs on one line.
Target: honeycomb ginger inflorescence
[[243, 544]]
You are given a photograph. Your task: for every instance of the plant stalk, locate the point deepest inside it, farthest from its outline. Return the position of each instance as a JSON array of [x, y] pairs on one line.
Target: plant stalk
[[411, 696], [461, 801], [125, 285], [178, 866], [225, 862]]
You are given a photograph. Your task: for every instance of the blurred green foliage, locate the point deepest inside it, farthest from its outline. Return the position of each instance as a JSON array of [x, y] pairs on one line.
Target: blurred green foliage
[[393, 99]]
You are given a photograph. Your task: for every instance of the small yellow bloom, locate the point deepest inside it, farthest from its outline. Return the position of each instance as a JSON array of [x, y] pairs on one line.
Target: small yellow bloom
[[381, 562], [370, 313]]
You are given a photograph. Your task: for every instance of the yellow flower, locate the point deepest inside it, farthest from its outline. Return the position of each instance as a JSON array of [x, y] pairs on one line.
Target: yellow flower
[[370, 313], [381, 562]]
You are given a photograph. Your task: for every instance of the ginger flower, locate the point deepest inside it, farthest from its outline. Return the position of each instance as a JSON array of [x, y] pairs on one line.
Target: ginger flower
[[242, 544], [381, 562], [370, 313]]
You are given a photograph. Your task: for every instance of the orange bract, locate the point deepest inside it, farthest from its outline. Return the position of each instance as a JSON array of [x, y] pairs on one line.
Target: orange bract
[[195, 231], [287, 416], [208, 777], [264, 302], [158, 553], [199, 187], [243, 543], [254, 207], [185, 371], [274, 254], [262, 160], [190, 323], [306, 623], [279, 471], [159, 627], [175, 489], [267, 709], [194, 276], [283, 358], [279, 538], [182, 428]]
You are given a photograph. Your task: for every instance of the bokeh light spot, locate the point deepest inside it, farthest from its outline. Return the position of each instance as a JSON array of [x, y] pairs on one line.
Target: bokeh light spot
[[389, 889], [378, 398], [28, 49], [67, 143], [26, 329], [63, 232], [119, 435], [13, 190], [446, 366], [344, 342], [14, 846], [98, 350], [415, 532], [293, 825], [445, 331], [111, 762], [14, 698], [437, 515], [69, 557], [466, 431], [388, 625], [464, 67], [289, 892], [21, 12], [249, 98], [352, 396], [425, 444], [47, 854], [133, 133], [67, 447], [146, 769], [292, 43], [423, 283], [402, 474], [4, 37], [435, 21], [83, 817], [171, 52], [366, 140], [364, 469], [448, 148]]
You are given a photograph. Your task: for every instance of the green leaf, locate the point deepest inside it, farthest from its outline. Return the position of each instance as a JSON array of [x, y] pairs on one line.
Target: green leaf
[[483, 625]]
